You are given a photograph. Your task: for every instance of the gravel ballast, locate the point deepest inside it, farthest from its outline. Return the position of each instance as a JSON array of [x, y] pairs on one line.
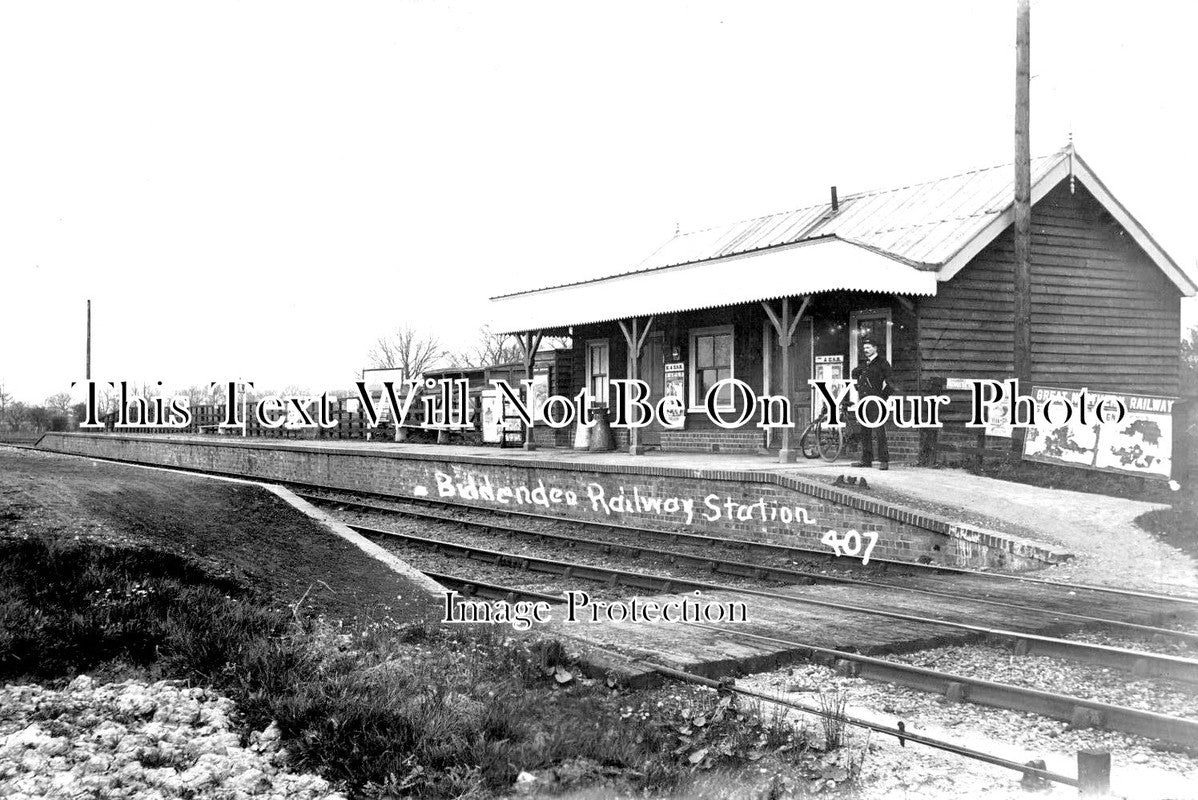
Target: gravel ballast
[[890, 771]]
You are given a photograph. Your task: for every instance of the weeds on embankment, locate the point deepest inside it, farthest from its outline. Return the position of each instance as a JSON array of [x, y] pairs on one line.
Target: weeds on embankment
[[385, 709]]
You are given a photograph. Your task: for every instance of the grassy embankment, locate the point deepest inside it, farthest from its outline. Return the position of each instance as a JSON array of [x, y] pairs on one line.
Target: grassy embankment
[[378, 706]]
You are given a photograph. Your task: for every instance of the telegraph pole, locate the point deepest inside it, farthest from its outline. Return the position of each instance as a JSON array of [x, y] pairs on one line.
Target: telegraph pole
[[88, 375], [1023, 204]]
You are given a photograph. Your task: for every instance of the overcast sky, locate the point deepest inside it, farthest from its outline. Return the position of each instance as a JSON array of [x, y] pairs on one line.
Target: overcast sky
[[261, 189]]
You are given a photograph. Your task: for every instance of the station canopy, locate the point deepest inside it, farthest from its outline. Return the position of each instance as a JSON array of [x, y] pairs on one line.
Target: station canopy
[[816, 265]]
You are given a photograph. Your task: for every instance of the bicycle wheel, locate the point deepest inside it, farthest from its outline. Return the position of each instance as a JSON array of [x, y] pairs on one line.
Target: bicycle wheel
[[809, 441], [830, 442]]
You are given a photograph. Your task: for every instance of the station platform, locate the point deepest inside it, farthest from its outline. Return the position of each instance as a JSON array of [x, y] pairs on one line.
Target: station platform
[[929, 515]]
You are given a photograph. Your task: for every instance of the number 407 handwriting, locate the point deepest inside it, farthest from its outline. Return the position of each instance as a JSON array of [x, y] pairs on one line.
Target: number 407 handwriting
[[850, 544]]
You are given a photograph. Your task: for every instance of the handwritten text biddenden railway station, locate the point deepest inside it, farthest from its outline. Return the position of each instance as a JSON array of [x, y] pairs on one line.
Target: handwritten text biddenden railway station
[[714, 507]]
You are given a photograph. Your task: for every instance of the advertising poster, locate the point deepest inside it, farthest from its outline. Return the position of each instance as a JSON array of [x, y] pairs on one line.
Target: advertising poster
[[539, 392], [675, 386], [492, 421], [827, 368], [1140, 444]]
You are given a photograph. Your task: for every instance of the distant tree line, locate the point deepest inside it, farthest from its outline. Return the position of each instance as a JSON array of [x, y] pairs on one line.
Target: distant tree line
[[16, 417]]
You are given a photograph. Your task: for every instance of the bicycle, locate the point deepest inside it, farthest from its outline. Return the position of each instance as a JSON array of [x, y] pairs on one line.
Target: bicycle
[[820, 440]]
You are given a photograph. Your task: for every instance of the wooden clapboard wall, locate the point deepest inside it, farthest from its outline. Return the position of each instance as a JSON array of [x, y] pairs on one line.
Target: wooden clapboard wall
[[1103, 315]]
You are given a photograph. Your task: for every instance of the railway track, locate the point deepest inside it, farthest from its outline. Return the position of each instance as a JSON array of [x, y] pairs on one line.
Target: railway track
[[902, 734], [752, 570], [1022, 642], [1080, 712], [1175, 607], [1184, 608]]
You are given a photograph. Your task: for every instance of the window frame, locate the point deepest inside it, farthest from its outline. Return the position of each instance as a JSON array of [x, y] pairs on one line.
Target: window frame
[[590, 373], [696, 404]]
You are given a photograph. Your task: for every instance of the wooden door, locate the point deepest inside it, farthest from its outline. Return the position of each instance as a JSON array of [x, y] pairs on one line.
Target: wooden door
[[652, 372]]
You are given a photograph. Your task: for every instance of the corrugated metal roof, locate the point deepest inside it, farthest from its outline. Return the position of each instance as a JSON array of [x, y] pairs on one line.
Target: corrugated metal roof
[[925, 223], [930, 228], [821, 265]]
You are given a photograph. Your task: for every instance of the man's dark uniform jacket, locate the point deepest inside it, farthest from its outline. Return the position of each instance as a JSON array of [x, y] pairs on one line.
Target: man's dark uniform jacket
[[873, 378]]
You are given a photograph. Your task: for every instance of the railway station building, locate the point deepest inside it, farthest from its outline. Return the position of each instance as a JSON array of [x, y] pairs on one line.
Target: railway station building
[[926, 270]]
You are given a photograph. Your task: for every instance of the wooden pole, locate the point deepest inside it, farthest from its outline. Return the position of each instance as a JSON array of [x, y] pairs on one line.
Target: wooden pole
[[635, 337], [88, 374], [1023, 205], [634, 355], [530, 344], [785, 455], [785, 328]]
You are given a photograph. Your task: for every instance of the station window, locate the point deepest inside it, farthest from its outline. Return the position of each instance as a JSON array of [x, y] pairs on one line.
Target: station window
[[597, 369], [711, 362]]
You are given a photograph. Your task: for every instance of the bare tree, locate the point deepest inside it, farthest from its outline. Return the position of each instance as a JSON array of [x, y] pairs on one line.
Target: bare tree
[[40, 417], [16, 414], [1189, 362], [498, 348], [60, 402], [490, 348], [200, 395], [5, 398], [406, 349]]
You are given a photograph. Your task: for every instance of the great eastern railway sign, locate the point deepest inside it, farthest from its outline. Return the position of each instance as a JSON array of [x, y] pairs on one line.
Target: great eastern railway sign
[[1140, 444]]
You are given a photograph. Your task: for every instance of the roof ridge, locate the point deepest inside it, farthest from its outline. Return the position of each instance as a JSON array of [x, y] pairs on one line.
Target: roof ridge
[[854, 195], [975, 171]]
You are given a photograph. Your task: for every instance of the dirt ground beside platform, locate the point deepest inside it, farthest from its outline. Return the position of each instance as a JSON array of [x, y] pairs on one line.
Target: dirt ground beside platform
[[289, 557]]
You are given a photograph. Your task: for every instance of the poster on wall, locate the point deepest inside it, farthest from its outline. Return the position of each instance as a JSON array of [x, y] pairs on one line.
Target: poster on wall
[[827, 368], [998, 420], [492, 411], [539, 393], [675, 386], [1140, 444]]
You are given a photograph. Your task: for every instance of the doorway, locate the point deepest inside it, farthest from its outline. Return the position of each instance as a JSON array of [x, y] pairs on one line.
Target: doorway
[[652, 370]]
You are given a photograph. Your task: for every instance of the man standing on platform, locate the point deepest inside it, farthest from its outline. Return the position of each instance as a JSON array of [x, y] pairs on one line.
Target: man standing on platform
[[873, 380]]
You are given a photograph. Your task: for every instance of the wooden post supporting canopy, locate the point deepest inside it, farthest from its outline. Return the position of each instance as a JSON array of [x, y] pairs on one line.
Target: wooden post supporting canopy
[[784, 326], [636, 343], [530, 342]]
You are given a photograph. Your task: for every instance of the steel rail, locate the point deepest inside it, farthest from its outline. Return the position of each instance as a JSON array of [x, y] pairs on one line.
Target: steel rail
[[751, 570], [902, 735], [1190, 602], [1024, 643], [1082, 712], [471, 588], [1079, 711]]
